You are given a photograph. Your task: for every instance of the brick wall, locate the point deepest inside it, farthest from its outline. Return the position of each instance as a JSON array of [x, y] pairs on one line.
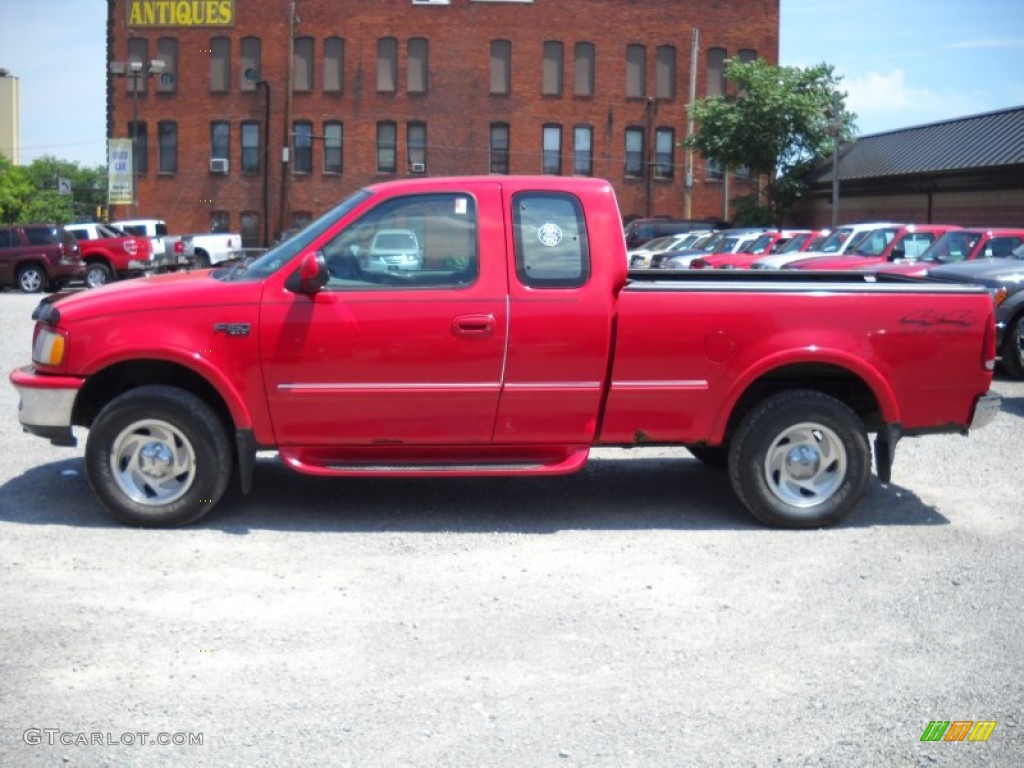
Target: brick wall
[[457, 108]]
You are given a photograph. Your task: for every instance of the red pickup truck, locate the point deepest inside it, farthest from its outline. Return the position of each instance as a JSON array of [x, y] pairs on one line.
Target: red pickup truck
[[517, 344]]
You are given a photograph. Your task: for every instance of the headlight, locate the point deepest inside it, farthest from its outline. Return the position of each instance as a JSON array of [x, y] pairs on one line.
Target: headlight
[[49, 347]]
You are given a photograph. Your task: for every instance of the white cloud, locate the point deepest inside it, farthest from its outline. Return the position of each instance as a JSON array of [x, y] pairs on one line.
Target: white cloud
[[987, 43], [887, 92]]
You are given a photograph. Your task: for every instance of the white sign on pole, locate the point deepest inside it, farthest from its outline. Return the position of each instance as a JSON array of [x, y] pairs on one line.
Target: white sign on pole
[[120, 189]]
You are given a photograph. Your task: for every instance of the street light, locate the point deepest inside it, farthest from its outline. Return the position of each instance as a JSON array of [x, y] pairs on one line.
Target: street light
[[835, 130], [134, 70]]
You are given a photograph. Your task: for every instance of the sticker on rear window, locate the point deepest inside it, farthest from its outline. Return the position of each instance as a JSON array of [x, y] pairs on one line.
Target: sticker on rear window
[[549, 234]]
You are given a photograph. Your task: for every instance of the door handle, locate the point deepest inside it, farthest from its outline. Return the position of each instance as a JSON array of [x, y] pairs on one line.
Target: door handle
[[473, 326]]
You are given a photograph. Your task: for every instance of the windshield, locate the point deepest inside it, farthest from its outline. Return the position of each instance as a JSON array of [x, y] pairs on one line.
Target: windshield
[[952, 246], [795, 243], [280, 255], [875, 243], [761, 244], [835, 241]]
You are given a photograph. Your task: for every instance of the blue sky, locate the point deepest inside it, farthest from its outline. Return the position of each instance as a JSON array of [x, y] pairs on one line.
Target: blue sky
[[904, 62]]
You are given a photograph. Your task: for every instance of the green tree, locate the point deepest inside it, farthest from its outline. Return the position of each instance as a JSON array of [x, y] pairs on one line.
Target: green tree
[[15, 190], [776, 122], [30, 193]]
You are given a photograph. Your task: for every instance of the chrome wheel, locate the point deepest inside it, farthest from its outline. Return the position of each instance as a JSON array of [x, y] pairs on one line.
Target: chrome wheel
[[152, 462], [31, 280], [805, 465]]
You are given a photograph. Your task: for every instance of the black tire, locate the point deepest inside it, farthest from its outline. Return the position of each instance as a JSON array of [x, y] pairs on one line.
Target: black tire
[[96, 274], [1012, 352], [158, 456], [32, 278], [715, 456], [800, 459]]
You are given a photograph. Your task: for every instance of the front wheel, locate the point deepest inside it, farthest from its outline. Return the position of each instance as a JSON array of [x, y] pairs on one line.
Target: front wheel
[[96, 274], [158, 456], [31, 279], [1012, 352], [800, 459]]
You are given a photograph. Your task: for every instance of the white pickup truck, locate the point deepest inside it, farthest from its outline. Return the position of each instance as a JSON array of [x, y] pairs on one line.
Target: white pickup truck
[[208, 250], [168, 250]]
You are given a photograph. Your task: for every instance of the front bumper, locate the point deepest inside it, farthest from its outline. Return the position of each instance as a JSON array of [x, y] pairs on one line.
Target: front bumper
[[986, 409], [47, 404]]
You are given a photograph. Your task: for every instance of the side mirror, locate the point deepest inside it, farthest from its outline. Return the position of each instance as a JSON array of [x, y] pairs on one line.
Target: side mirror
[[312, 274]]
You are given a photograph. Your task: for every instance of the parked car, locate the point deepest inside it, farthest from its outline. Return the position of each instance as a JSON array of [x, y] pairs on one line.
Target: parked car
[[168, 250], [110, 253], [1004, 279], [640, 258], [37, 257], [839, 241], [212, 248], [392, 250], [881, 246], [726, 241], [771, 241], [639, 231], [961, 245]]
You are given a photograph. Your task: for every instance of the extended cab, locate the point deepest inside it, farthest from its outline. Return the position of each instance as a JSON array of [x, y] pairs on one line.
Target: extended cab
[[518, 346], [110, 253]]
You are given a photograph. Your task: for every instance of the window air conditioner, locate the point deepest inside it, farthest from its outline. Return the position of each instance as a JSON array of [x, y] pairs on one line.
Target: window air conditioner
[[218, 165], [417, 167]]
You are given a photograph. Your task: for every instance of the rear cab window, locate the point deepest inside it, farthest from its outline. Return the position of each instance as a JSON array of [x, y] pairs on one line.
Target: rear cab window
[[551, 244]]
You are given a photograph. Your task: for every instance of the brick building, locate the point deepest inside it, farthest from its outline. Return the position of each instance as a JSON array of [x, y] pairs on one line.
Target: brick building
[[265, 112]]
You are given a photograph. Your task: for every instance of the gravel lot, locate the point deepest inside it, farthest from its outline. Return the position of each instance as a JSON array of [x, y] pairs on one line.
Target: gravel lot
[[631, 615]]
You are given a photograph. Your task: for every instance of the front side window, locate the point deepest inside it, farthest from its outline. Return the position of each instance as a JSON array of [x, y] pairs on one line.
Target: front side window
[[636, 72], [302, 66], [386, 144], [333, 134], [552, 70], [416, 242], [501, 67], [552, 139], [220, 64], [664, 149], [303, 130], [635, 152], [168, 130], [550, 240], [499, 147], [250, 146], [387, 65], [582, 150]]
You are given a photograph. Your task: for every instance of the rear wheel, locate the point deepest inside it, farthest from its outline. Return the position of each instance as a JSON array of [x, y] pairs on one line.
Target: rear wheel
[[158, 456], [31, 278], [96, 274], [1012, 352], [800, 459]]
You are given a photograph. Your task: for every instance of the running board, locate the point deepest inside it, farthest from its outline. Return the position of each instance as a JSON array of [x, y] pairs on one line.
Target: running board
[[436, 461]]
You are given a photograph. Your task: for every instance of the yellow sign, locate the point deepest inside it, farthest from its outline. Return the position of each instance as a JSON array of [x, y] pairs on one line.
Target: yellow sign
[[181, 13]]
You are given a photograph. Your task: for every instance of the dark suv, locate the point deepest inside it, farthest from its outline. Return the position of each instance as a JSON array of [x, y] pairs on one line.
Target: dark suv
[[34, 257]]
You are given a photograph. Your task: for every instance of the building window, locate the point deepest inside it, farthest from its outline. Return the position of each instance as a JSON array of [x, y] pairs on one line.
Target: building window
[[333, 134], [140, 149], [220, 64], [302, 63], [387, 65], [746, 54], [301, 219], [713, 169], [552, 75], [220, 140], [138, 51], [583, 150], [416, 146], [334, 65], [583, 75], [250, 62], [501, 67], [303, 130], [716, 72], [665, 72], [167, 52], [250, 146], [635, 152], [250, 229], [499, 147], [220, 221], [416, 74], [664, 153], [636, 72], [386, 144], [552, 158], [167, 131]]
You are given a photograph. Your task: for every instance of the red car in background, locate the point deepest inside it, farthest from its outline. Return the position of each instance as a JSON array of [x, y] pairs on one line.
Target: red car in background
[[881, 246], [959, 245], [775, 241]]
